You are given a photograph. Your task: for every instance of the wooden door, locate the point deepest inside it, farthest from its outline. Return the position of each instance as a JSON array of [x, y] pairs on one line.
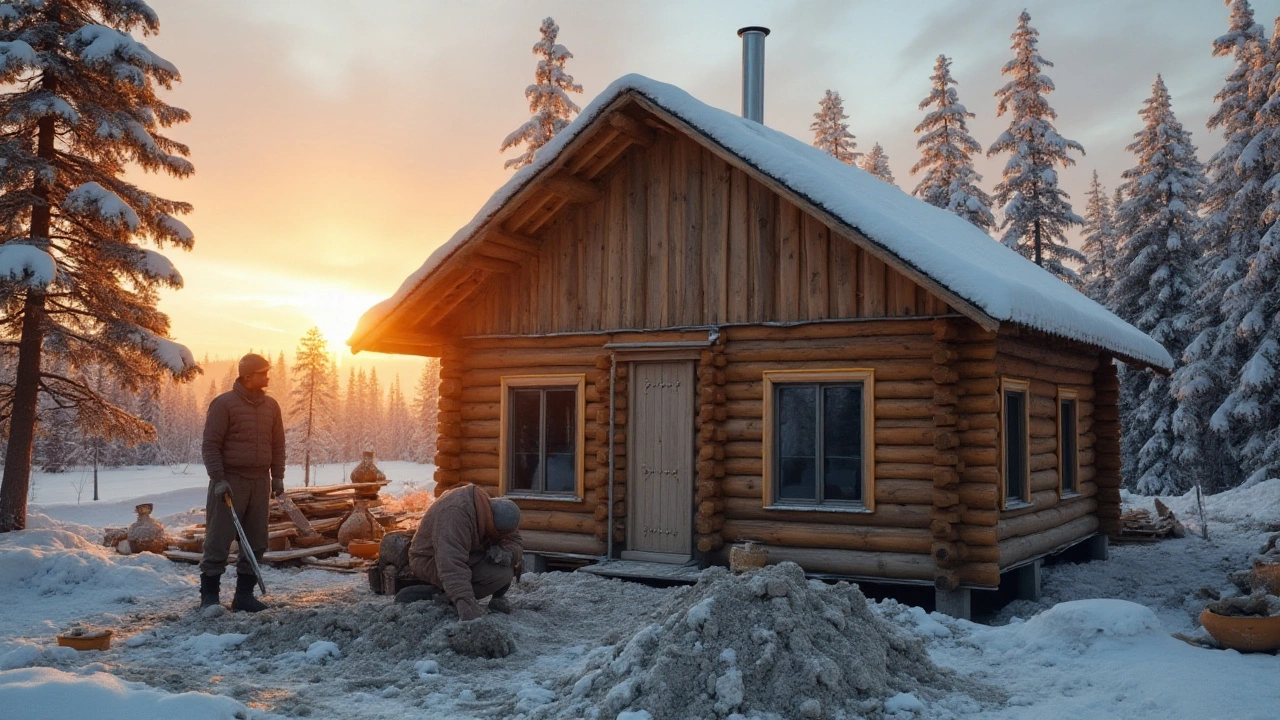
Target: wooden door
[[660, 461]]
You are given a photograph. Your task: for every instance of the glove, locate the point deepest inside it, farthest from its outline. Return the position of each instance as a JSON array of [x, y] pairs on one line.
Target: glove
[[277, 486], [221, 489], [499, 555], [468, 609]]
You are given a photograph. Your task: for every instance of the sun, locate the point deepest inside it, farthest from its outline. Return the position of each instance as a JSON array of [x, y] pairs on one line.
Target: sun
[[336, 311]]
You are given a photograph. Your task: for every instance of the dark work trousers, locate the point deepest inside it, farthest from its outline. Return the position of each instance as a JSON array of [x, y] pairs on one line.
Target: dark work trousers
[[487, 578], [252, 500]]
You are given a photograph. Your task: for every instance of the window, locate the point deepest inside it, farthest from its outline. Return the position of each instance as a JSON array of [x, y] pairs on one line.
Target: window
[[541, 436], [1016, 454], [1068, 442], [819, 439]]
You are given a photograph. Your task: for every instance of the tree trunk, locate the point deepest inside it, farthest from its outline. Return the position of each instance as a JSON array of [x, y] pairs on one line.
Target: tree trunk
[[1039, 252], [22, 424]]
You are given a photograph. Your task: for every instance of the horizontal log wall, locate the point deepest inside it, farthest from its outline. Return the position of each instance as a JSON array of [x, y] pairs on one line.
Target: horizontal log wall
[[472, 376], [1052, 520], [680, 238], [896, 540]]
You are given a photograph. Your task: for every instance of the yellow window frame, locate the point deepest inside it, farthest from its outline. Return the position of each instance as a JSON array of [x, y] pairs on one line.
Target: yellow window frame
[[579, 383], [1008, 385]]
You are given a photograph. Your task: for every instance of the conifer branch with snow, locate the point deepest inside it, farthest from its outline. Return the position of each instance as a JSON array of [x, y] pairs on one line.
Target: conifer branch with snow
[[548, 98], [946, 154], [830, 131], [1036, 211]]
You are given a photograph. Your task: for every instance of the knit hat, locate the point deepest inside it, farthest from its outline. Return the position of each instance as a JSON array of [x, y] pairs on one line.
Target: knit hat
[[506, 515], [252, 363]]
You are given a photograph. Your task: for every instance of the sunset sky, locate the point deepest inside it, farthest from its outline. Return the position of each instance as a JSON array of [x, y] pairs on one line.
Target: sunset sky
[[337, 144]]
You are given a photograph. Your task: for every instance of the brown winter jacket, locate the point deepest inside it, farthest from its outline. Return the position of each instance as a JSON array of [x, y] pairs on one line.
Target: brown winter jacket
[[243, 434], [455, 531]]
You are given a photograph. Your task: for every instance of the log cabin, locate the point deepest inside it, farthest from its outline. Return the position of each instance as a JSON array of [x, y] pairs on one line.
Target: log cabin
[[678, 330]]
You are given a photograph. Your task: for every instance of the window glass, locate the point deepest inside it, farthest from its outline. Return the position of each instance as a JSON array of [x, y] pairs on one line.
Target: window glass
[[561, 429], [1015, 438], [526, 438], [1069, 440], [842, 442], [797, 415]]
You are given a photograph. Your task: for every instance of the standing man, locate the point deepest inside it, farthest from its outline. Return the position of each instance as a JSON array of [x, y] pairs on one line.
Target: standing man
[[244, 455]]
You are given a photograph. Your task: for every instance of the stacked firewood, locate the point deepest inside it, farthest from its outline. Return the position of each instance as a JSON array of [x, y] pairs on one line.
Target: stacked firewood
[[1138, 525], [325, 507]]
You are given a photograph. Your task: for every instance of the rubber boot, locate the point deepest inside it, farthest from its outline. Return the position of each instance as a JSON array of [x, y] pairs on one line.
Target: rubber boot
[[210, 585], [244, 599]]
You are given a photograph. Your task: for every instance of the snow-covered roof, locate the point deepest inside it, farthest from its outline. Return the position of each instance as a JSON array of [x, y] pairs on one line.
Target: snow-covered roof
[[945, 248]]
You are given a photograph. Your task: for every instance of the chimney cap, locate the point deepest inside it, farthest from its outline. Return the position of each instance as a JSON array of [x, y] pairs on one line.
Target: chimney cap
[[753, 28]]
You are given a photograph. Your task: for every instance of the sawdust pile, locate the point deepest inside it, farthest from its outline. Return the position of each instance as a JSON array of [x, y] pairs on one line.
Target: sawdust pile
[[768, 642]]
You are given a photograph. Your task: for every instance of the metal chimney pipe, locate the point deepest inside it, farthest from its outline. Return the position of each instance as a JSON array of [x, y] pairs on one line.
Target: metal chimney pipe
[[753, 72]]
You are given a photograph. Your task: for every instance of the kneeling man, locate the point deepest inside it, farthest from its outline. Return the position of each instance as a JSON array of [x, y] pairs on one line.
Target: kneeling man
[[469, 548]]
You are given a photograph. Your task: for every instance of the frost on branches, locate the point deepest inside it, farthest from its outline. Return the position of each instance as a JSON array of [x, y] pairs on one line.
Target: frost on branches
[[1036, 211], [548, 98], [830, 131], [876, 162], [1100, 242], [1154, 287], [80, 106], [946, 154], [1232, 209]]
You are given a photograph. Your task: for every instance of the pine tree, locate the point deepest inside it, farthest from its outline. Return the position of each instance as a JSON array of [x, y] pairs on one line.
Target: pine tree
[[80, 107], [830, 131], [1154, 291], [876, 162], [1036, 211], [426, 405], [398, 425], [281, 386], [1100, 241], [548, 98], [311, 434], [1233, 204], [946, 154]]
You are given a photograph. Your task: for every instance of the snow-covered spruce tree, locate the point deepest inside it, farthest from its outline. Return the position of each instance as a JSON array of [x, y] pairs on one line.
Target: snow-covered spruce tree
[[548, 98], [1233, 204], [1252, 407], [79, 106], [1100, 243], [946, 154], [1036, 211], [313, 406], [876, 162], [1154, 287], [830, 131]]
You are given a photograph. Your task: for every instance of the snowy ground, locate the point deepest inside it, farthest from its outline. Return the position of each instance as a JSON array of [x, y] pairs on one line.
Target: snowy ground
[[1097, 645]]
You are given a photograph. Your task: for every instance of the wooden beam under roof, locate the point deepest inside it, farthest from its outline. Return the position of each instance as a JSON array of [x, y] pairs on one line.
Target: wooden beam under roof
[[633, 129], [476, 259], [572, 188], [524, 243]]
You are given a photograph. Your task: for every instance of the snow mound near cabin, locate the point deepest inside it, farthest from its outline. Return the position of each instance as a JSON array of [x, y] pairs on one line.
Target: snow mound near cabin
[[765, 643], [1076, 626], [48, 693]]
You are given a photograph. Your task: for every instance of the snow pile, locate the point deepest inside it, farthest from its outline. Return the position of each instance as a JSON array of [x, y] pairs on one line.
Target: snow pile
[[47, 693], [765, 642], [51, 576], [206, 647], [1075, 626]]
